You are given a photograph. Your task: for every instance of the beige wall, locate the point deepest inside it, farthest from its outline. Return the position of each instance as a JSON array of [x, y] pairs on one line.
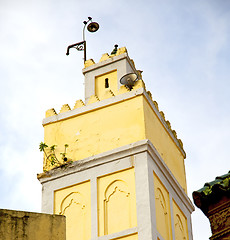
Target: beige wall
[[22, 225]]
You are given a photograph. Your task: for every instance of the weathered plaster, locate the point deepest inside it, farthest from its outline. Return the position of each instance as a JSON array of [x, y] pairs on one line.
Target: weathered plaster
[[22, 225]]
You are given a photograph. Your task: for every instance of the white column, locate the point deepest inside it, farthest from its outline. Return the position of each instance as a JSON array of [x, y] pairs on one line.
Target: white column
[[94, 218], [144, 198]]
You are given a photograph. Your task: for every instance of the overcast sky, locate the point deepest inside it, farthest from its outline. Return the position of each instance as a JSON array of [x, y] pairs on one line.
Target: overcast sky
[[182, 47]]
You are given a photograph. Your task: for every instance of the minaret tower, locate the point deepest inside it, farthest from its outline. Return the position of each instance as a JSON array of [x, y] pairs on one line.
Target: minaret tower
[[113, 165]]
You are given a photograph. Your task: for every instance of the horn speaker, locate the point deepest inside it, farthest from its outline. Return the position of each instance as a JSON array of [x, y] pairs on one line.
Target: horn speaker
[[129, 80]]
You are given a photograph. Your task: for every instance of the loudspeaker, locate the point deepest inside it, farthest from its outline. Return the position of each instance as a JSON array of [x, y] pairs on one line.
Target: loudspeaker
[[129, 80]]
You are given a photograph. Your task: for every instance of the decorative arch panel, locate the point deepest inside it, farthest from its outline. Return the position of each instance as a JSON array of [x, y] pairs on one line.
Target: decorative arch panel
[[116, 202], [74, 203]]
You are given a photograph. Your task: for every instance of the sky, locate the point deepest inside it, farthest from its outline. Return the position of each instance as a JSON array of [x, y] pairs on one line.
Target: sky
[[181, 46]]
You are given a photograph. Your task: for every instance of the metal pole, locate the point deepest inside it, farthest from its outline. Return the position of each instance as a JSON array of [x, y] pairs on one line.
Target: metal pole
[[84, 30], [84, 51], [81, 46], [85, 23]]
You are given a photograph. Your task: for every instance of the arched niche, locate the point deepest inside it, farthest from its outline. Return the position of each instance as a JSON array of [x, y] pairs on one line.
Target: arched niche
[[179, 229], [162, 214], [117, 207], [74, 207]]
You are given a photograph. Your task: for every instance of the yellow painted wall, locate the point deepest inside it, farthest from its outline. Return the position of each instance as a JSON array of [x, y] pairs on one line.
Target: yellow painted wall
[[162, 141], [116, 202], [97, 131], [180, 223], [100, 84], [75, 203], [114, 126], [162, 204], [22, 225]]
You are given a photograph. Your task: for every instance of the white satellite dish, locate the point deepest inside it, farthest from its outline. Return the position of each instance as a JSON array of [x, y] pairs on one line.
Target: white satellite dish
[[129, 80]]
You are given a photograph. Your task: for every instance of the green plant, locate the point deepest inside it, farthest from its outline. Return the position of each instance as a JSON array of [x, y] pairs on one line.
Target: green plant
[[51, 156], [64, 153], [42, 147]]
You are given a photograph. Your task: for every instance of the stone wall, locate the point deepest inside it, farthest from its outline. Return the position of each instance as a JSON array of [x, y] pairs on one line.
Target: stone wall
[[22, 225]]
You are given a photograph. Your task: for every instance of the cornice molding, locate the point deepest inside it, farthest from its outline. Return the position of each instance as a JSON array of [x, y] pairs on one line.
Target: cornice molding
[[143, 146]]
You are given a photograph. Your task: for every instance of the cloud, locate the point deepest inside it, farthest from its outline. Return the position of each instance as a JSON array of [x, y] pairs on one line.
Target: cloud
[[182, 46]]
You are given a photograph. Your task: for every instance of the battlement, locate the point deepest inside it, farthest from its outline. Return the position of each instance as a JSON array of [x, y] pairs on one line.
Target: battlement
[[110, 98], [107, 56], [106, 74], [109, 94], [94, 98]]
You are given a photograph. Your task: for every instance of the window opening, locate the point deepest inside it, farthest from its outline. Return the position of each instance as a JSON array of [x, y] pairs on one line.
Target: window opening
[[106, 83]]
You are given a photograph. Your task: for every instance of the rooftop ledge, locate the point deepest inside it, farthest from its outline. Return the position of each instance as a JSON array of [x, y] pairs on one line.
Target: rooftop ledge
[[113, 155]]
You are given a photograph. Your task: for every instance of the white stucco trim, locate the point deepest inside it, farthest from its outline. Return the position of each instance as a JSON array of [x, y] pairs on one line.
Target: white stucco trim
[[108, 61], [116, 154], [116, 235], [93, 106], [143, 157], [165, 171]]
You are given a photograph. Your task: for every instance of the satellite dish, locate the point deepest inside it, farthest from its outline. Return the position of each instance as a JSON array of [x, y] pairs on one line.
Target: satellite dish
[[93, 27], [129, 80]]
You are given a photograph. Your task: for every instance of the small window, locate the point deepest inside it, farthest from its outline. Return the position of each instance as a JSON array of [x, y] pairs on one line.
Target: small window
[[106, 83]]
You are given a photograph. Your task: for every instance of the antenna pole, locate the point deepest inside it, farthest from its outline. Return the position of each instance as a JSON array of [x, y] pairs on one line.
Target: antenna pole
[[81, 46], [84, 51], [85, 23]]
